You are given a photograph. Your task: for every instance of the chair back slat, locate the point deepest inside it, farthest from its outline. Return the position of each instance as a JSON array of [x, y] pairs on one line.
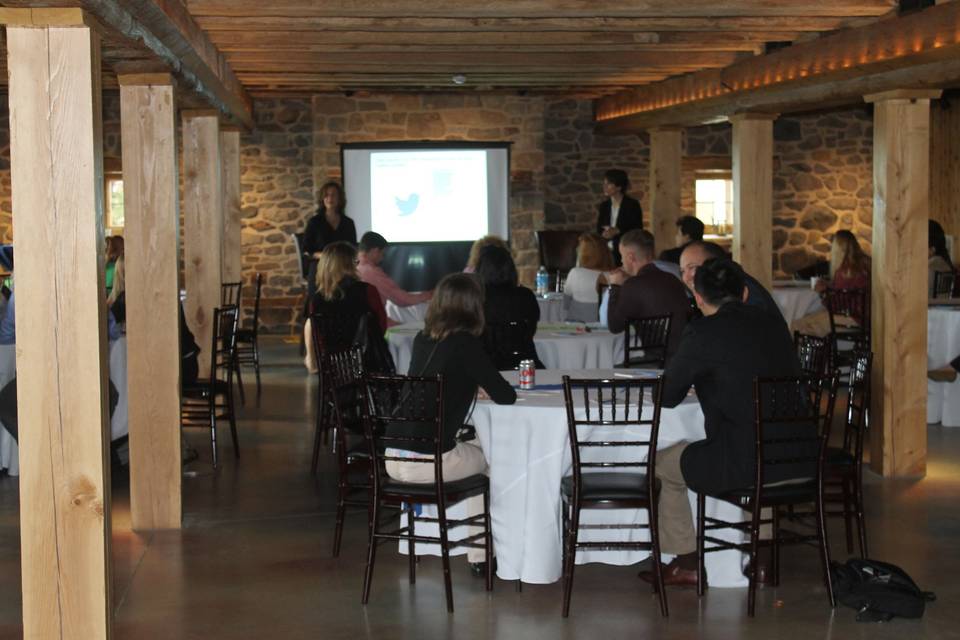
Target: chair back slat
[[256, 304], [858, 403], [944, 284], [615, 406], [395, 400], [645, 341], [224, 343], [792, 426], [814, 353], [343, 388], [230, 294]]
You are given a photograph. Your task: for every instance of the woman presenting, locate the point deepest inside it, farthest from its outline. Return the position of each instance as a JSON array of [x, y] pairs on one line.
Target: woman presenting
[[619, 213], [330, 224]]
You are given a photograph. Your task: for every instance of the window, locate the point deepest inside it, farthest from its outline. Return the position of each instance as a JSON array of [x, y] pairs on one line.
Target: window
[[114, 197], [714, 197]]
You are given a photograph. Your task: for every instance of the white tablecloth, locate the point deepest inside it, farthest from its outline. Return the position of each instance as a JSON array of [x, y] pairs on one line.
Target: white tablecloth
[[413, 313], [551, 308], [796, 302], [943, 345], [528, 450], [119, 424], [558, 346]]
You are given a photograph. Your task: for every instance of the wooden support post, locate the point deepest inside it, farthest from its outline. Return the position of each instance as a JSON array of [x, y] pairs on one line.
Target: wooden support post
[[230, 166], [150, 198], [202, 226], [666, 158], [57, 183], [901, 183], [753, 194]]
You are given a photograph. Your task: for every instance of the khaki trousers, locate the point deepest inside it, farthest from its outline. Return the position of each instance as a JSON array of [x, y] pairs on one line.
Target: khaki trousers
[[677, 535], [464, 460]]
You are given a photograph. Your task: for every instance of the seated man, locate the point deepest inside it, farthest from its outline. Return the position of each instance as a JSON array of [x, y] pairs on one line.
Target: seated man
[[644, 290], [372, 246], [698, 252], [720, 355], [689, 229]]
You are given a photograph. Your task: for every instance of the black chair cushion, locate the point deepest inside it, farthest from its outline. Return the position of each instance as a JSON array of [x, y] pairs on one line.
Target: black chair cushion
[[612, 485], [466, 487], [779, 494], [836, 456]]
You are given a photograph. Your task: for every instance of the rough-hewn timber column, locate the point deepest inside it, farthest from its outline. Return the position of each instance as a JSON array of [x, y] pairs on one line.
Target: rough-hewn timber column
[[57, 180], [230, 166], [148, 129], [202, 225], [666, 156], [753, 194], [901, 183]]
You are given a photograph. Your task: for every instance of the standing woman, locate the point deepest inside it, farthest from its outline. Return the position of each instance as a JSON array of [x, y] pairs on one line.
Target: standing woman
[[330, 224], [619, 213]]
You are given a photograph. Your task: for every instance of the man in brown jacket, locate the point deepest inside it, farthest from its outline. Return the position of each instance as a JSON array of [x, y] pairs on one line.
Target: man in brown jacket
[[641, 289]]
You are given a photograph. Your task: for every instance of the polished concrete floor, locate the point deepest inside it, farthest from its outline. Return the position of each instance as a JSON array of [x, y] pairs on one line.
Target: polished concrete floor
[[253, 559]]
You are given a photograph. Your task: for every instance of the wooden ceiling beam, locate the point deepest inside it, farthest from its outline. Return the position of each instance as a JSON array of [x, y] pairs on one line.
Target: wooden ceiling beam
[[270, 21], [919, 50], [541, 8]]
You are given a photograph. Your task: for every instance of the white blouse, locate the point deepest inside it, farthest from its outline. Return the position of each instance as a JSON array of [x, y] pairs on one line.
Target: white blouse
[[581, 285]]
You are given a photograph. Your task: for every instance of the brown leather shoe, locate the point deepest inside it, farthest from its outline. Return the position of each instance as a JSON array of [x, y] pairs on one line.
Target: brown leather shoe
[[673, 576]]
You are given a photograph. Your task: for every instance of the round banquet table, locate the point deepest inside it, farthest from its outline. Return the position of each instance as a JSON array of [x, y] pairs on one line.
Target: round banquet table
[[402, 315], [796, 301], [551, 308], [943, 345], [560, 346], [529, 453], [119, 424]]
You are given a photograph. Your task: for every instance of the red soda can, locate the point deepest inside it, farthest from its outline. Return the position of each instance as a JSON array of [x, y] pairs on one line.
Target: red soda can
[[528, 374]]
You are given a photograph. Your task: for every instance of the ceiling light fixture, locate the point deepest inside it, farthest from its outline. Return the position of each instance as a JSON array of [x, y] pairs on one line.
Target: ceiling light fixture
[[459, 79]]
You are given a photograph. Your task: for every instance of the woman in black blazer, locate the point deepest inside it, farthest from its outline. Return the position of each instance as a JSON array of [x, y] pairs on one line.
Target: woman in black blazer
[[505, 301], [629, 214]]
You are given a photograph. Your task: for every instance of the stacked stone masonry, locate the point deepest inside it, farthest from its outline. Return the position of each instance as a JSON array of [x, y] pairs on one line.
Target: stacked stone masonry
[[822, 177]]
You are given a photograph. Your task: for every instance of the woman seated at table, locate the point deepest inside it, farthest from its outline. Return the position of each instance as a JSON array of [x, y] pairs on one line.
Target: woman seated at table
[[340, 292], [581, 298], [506, 302], [939, 258], [849, 269], [478, 246], [450, 345]]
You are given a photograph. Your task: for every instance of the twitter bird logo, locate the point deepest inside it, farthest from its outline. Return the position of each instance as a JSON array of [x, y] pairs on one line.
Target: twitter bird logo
[[409, 205]]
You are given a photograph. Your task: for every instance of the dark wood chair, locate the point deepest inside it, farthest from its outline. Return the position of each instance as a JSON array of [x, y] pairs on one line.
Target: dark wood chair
[[402, 400], [230, 294], [248, 346], [343, 374], [847, 303], [611, 480], [844, 464], [558, 252], [645, 341], [793, 412], [814, 353], [331, 332], [944, 284], [507, 343], [206, 402]]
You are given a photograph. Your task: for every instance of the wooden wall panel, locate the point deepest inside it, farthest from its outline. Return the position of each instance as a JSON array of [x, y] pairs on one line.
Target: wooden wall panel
[[150, 190], [666, 159], [57, 183], [202, 226], [901, 156], [753, 195]]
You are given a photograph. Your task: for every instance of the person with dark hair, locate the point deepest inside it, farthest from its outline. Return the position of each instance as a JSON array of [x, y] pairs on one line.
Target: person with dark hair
[[720, 354], [506, 301], [372, 247], [329, 224], [699, 251], [689, 229], [450, 345], [618, 213], [939, 257], [640, 289]]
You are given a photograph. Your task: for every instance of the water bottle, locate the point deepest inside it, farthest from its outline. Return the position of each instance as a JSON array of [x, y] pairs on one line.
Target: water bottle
[[543, 281]]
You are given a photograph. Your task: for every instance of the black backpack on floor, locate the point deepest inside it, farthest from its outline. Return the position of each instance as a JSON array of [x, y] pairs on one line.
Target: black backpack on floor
[[877, 590]]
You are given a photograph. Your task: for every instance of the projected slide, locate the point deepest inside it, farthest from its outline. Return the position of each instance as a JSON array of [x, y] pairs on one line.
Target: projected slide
[[429, 195]]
